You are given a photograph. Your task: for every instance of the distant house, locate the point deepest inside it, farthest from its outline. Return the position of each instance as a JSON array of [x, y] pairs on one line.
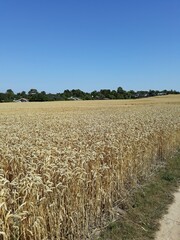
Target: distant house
[[21, 100], [74, 98]]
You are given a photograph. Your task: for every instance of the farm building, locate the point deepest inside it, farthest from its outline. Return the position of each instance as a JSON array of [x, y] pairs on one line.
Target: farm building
[[22, 100]]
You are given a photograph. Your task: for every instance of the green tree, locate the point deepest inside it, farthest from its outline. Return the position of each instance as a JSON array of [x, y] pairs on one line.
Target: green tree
[[105, 92], [121, 93], [33, 91], [120, 90], [10, 95]]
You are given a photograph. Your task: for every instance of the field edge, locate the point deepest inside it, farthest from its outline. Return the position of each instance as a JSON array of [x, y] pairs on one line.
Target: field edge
[[141, 214]]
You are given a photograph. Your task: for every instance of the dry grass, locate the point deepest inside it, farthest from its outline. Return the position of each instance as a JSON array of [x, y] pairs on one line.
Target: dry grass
[[63, 165]]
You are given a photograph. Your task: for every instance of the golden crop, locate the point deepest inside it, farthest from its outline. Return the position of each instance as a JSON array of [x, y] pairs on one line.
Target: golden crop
[[64, 165]]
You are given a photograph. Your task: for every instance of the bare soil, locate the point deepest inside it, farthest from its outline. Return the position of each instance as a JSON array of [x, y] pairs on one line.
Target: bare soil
[[170, 223]]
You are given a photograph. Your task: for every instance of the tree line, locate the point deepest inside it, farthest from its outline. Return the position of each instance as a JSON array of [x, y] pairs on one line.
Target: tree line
[[76, 94]]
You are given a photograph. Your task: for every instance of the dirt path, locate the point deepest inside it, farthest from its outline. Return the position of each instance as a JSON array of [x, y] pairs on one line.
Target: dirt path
[[170, 224]]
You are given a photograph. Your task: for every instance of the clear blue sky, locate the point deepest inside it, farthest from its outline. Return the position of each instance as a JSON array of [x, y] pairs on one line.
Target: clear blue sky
[[54, 45]]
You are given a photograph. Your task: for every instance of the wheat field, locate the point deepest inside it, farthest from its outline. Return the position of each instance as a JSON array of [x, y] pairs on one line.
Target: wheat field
[[64, 166]]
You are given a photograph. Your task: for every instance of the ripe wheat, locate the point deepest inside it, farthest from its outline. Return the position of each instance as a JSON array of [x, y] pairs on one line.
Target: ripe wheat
[[64, 165]]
